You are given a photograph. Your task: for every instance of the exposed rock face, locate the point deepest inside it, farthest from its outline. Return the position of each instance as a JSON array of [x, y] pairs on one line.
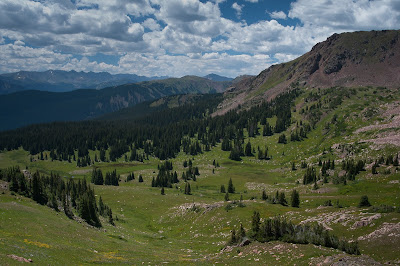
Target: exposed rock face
[[335, 64]]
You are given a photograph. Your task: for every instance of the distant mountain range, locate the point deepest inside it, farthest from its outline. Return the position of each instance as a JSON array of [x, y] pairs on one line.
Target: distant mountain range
[[348, 60], [32, 106], [216, 77], [63, 81]]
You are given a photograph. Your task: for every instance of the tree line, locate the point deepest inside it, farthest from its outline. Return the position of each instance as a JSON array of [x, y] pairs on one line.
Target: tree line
[[279, 228], [58, 194], [160, 134]]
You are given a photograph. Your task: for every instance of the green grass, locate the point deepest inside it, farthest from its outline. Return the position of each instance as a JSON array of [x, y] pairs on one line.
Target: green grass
[[155, 229]]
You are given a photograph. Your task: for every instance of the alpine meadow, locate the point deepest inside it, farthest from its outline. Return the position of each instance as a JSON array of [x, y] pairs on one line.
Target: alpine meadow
[[296, 165]]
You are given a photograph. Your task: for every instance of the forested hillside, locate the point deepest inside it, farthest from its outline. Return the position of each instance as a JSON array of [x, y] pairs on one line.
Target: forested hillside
[[30, 107]]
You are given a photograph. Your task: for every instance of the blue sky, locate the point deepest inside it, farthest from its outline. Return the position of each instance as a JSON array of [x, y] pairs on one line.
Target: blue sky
[[176, 37]]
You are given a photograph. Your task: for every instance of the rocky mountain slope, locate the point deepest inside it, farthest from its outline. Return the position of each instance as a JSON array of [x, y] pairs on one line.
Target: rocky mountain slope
[[348, 60]]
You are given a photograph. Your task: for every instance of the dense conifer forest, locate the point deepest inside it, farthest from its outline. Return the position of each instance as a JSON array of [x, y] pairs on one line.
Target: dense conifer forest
[[160, 134]]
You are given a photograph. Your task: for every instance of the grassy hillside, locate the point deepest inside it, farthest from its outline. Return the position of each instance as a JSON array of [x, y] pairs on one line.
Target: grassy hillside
[[144, 109], [357, 123]]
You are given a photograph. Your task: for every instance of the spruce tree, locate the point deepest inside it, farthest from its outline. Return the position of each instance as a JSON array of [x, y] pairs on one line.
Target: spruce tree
[[162, 191], [242, 233], [233, 239], [255, 223], [248, 151], [264, 195], [222, 190], [110, 217], [282, 139], [231, 188], [101, 206], [226, 196], [282, 199], [295, 199]]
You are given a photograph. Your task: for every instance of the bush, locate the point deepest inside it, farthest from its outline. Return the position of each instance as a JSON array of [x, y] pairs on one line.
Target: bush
[[382, 208], [364, 202]]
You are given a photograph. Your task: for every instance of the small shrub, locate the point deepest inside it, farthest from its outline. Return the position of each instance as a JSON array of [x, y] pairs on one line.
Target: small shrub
[[338, 204], [228, 207], [364, 202], [383, 208], [195, 208]]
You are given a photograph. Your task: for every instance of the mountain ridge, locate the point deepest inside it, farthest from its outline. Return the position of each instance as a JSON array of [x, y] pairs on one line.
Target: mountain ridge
[[63, 81], [216, 77], [348, 59], [29, 107]]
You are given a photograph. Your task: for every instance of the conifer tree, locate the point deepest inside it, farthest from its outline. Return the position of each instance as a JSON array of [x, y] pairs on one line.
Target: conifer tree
[[226, 196], [101, 206], [282, 199], [140, 179], [282, 139], [264, 195], [222, 190], [295, 199], [242, 233], [248, 151], [37, 189], [231, 188], [188, 189], [233, 239], [255, 223], [162, 191], [110, 217]]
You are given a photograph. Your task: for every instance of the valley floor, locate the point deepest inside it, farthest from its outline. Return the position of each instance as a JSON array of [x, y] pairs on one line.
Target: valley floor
[[175, 228]]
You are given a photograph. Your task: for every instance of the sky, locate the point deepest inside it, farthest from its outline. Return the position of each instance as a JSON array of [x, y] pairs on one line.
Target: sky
[[176, 37]]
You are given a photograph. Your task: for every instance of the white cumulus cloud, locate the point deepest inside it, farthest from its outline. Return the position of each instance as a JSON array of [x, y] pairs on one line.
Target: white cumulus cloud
[[174, 37], [278, 15], [238, 9]]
